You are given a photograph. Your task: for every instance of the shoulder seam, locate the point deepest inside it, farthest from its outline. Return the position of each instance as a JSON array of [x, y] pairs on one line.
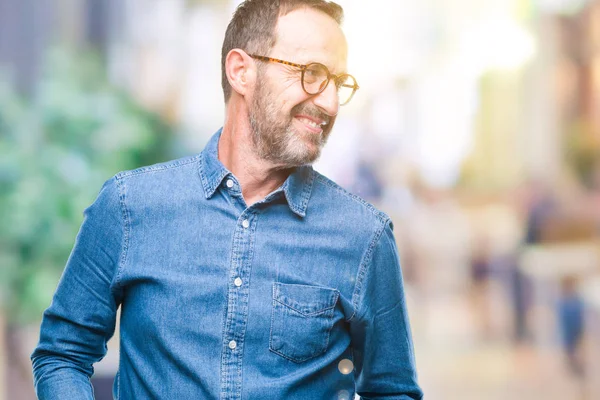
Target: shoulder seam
[[363, 267], [160, 166], [326, 181], [126, 230]]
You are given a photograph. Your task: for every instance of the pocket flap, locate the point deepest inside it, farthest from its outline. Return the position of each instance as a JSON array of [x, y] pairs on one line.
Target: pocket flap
[[305, 299]]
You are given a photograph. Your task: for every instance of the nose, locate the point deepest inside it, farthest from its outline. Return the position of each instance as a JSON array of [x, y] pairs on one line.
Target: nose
[[328, 100]]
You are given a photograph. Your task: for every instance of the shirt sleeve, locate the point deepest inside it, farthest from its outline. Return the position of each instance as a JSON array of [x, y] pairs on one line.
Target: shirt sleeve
[[381, 338], [81, 318]]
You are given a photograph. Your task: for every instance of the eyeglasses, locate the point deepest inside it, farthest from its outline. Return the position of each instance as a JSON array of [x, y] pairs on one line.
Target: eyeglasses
[[316, 77]]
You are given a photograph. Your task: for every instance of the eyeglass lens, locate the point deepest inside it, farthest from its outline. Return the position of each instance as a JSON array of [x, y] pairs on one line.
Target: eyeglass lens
[[315, 80]]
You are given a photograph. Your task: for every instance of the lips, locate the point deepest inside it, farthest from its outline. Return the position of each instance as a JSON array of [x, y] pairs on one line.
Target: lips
[[312, 124]]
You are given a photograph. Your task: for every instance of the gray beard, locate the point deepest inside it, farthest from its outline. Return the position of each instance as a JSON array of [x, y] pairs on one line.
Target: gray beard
[[275, 140]]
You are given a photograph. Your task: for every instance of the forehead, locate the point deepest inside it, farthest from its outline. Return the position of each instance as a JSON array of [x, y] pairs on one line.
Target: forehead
[[308, 35]]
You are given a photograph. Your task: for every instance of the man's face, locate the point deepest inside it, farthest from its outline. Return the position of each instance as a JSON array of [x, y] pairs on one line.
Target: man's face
[[290, 127]]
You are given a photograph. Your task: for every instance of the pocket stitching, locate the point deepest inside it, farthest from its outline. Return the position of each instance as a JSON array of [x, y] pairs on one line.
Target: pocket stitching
[[293, 359], [335, 299], [277, 295]]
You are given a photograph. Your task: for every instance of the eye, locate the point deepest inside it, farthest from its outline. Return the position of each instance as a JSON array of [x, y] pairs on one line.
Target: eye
[[315, 78], [315, 72]]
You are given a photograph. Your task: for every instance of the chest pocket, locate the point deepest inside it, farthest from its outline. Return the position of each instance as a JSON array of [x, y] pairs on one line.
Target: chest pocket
[[301, 320]]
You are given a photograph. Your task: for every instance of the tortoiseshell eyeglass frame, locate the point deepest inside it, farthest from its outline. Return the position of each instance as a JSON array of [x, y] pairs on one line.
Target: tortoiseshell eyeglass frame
[[338, 79]]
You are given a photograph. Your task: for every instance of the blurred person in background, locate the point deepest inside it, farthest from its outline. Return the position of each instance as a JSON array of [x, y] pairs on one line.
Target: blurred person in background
[[240, 272], [481, 265], [539, 205], [571, 320]]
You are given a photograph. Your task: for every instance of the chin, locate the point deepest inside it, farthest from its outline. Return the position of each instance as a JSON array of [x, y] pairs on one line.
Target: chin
[[309, 156]]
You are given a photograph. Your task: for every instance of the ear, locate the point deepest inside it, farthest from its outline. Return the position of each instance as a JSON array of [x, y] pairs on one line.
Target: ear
[[240, 71]]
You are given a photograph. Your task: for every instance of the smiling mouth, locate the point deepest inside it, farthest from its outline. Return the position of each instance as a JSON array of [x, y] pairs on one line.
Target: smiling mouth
[[312, 125]]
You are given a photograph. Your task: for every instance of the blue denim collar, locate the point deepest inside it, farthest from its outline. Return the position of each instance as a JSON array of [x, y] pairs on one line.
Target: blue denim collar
[[297, 187]]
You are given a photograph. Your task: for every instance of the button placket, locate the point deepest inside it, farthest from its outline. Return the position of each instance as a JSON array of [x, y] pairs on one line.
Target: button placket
[[238, 292]]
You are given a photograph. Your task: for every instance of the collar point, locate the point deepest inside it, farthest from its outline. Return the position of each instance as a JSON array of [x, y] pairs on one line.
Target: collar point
[[300, 213]]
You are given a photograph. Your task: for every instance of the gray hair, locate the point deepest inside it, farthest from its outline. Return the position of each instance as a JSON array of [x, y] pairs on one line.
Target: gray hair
[[252, 27]]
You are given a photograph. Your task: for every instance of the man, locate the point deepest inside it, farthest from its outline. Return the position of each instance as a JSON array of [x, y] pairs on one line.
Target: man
[[241, 272]]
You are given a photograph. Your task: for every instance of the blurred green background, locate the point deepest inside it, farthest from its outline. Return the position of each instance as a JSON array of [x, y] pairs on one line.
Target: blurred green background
[[57, 147]]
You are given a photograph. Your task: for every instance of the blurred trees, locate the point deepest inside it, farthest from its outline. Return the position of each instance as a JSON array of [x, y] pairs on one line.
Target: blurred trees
[[56, 150]]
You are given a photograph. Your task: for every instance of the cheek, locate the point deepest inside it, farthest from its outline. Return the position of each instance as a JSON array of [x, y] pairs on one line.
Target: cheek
[[292, 96]]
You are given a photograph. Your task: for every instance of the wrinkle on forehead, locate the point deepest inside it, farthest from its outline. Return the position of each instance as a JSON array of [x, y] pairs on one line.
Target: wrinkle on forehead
[[307, 35]]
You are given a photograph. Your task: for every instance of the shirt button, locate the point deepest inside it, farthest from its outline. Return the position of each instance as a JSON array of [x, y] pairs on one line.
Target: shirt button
[[345, 366], [245, 223], [237, 282], [232, 344], [343, 395], [229, 183]]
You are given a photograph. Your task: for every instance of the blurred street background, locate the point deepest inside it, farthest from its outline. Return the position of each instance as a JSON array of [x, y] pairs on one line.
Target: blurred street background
[[476, 128]]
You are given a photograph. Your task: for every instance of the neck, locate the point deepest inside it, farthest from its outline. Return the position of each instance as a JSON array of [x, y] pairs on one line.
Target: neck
[[256, 176]]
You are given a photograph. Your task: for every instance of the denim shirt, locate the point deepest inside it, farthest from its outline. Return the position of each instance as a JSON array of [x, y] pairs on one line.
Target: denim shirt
[[299, 296]]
